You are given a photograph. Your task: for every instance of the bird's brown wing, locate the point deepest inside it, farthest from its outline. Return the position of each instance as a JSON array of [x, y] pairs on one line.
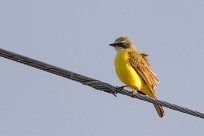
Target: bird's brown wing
[[140, 64], [144, 55]]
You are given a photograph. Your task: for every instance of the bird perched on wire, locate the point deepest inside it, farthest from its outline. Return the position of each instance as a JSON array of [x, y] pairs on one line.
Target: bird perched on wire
[[133, 69]]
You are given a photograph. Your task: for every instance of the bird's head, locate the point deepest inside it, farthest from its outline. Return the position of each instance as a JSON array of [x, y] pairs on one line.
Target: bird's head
[[122, 43]]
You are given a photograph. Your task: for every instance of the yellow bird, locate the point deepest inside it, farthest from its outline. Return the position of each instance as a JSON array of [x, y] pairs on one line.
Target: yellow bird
[[133, 69]]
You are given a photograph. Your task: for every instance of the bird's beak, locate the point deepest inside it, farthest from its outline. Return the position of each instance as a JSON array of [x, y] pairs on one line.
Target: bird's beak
[[112, 44]]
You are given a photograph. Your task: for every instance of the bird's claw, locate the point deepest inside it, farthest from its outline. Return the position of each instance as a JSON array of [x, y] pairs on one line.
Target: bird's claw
[[133, 93], [114, 92], [117, 89]]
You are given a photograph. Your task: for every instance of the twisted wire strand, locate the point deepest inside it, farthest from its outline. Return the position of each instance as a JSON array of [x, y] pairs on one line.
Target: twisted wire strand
[[96, 84]]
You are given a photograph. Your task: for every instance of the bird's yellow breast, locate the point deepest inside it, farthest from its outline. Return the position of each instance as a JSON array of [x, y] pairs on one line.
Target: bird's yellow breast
[[126, 73]]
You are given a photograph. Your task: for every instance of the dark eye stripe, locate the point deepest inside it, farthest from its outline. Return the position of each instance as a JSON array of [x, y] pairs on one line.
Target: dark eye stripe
[[123, 45]]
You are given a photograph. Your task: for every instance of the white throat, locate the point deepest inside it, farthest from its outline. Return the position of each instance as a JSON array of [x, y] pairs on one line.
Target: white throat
[[118, 48]]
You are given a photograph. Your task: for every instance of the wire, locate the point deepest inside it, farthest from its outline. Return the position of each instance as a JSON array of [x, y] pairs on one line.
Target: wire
[[98, 85]]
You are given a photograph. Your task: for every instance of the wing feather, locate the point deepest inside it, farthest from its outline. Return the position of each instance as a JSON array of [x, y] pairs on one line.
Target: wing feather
[[140, 63]]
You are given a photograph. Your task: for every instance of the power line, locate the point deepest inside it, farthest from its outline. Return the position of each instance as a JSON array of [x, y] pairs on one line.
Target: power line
[[98, 85]]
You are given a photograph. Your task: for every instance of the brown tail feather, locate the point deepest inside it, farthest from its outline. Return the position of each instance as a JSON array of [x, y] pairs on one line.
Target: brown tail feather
[[159, 110]]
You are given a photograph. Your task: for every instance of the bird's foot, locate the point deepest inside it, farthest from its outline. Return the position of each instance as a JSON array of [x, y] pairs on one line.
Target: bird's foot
[[117, 89], [139, 92], [133, 93]]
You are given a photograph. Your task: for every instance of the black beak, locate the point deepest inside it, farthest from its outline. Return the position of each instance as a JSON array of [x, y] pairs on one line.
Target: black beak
[[112, 44]]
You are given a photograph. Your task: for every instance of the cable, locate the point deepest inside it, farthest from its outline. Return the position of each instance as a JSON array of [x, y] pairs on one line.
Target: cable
[[98, 85]]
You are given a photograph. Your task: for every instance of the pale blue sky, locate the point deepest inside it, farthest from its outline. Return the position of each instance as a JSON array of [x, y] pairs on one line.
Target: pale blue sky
[[75, 35]]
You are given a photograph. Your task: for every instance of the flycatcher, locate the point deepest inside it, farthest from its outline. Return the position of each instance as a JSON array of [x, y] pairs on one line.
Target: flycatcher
[[133, 69]]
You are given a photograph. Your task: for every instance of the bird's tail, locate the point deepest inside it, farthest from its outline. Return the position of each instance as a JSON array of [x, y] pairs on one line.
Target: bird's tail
[[152, 94], [159, 110]]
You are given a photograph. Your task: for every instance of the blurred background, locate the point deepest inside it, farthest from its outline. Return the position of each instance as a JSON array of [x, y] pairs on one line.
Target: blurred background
[[75, 35]]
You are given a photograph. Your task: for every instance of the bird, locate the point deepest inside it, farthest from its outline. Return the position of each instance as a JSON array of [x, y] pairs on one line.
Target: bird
[[133, 69]]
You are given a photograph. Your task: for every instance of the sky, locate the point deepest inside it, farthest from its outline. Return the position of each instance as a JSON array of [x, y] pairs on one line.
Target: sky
[[75, 35]]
